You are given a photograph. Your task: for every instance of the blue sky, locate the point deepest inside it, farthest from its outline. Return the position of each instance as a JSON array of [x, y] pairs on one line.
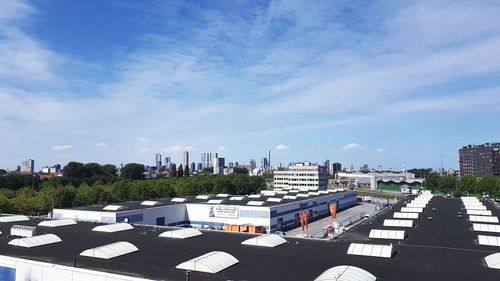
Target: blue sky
[[376, 82]]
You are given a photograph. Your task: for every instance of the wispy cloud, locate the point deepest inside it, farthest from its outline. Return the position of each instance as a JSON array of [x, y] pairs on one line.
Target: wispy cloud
[[102, 144], [62, 147], [178, 148], [351, 147], [222, 147], [282, 147], [382, 149], [142, 139]]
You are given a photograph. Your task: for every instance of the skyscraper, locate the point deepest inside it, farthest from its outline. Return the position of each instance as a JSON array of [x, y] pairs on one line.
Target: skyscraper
[[219, 166], [158, 161], [268, 155], [28, 166], [253, 164], [185, 159]]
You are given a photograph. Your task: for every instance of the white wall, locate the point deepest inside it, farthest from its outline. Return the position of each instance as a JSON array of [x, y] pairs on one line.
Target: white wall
[[82, 215], [246, 215], [40, 271], [172, 213]]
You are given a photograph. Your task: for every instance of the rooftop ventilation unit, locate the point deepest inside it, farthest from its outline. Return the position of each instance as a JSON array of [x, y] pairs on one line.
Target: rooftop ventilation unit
[[110, 251], [269, 240], [181, 233], [398, 223], [346, 273], [370, 250], [387, 234], [255, 203], [23, 231], [116, 227], [14, 218], [493, 261], [114, 208], [150, 203], [212, 262], [57, 223], [36, 241]]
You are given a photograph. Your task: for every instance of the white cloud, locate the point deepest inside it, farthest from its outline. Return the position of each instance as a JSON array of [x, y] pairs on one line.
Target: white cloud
[[282, 147], [102, 144], [142, 139], [144, 150], [222, 147], [351, 147], [178, 148], [382, 149], [62, 147]]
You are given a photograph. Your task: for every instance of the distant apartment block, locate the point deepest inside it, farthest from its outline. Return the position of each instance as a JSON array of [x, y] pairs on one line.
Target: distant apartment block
[[480, 160], [28, 166], [303, 176]]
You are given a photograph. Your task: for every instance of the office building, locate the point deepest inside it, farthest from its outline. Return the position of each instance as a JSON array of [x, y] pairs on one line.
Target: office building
[[327, 165], [219, 166], [158, 161], [303, 176], [208, 159], [28, 166], [193, 167], [253, 164], [185, 159], [268, 156], [480, 160], [199, 166]]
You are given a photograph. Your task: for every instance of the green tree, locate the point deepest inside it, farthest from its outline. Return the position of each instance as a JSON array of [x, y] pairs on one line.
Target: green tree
[[447, 183], [173, 171], [488, 183], [432, 181], [180, 171], [64, 196], [44, 200], [467, 184], [132, 171], [239, 170], [186, 171], [24, 202], [109, 169], [3, 172], [74, 170]]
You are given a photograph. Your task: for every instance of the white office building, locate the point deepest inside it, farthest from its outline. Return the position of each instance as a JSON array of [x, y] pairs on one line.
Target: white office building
[[302, 176]]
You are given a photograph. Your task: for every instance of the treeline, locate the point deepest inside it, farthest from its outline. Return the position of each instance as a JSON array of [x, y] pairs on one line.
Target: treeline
[[469, 184], [92, 183]]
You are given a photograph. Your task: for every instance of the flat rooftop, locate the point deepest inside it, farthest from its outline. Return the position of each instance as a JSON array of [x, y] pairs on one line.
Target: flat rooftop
[[443, 248], [136, 205]]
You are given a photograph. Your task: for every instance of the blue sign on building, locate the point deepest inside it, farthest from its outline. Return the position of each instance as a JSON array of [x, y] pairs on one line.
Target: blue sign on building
[[7, 274]]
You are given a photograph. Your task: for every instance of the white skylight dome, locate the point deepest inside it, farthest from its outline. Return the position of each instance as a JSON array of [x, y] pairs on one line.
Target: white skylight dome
[[14, 218], [371, 250], [387, 234], [36, 241], [493, 261], [269, 240], [57, 223], [212, 262], [114, 208], [150, 203], [181, 233], [346, 273], [110, 251], [116, 227]]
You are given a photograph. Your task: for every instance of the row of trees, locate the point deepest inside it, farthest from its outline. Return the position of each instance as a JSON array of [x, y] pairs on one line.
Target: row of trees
[[29, 200], [466, 185]]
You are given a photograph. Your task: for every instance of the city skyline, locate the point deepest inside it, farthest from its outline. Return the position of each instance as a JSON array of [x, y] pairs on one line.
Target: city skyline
[[368, 82]]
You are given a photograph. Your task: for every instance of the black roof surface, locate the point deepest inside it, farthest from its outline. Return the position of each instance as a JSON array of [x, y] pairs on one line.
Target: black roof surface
[[443, 248]]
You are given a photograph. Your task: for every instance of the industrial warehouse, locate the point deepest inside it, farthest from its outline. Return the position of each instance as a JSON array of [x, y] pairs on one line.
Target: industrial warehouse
[[424, 238], [268, 211]]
